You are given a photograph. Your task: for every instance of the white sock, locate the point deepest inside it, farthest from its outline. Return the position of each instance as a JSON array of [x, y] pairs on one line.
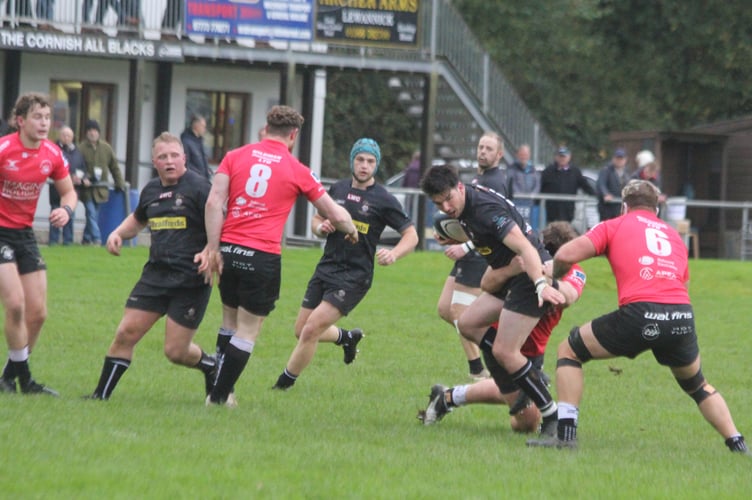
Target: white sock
[[242, 344], [459, 395], [567, 410]]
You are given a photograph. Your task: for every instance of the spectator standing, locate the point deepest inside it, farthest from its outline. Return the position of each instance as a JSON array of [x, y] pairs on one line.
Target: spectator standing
[[76, 167], [611, 180], [525, 179], [648, 169], [100, 163], [344, 274], [650, 264], [172, 205], [193, 142], [563, 177], [412, 172], [28, 159], [244, 241]]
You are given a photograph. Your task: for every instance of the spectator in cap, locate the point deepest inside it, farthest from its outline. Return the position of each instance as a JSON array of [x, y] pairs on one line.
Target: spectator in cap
[[562, 177], [648, 169], [100, 162], [611, 180]]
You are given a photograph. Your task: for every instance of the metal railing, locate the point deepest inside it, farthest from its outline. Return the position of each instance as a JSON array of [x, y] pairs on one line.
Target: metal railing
[[444, 36], [739, 244]]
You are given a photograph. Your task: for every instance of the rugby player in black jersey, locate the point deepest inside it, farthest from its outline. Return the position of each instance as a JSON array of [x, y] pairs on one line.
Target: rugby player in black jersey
[[344, 274], [172, 205], [500, 233]]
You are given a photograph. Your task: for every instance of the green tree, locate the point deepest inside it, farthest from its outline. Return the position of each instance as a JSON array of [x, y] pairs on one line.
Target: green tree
[[587, 68], [361, 104]]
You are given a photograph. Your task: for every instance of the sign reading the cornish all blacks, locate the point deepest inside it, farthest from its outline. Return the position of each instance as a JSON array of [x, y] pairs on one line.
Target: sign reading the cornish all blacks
[[379, 22], [89, 45]]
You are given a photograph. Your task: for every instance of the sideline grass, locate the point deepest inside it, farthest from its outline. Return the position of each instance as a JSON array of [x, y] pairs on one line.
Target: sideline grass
[[350, 431]]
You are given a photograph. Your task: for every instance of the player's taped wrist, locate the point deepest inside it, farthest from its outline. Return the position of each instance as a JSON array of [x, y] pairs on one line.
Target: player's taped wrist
[[540, 285], [68, 210], [318, 231], [468, 246]]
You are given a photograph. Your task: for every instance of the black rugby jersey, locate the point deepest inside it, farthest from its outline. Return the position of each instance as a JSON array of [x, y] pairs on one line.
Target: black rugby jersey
[[175, 215], [372, 210], [488, 217], [496, 179]]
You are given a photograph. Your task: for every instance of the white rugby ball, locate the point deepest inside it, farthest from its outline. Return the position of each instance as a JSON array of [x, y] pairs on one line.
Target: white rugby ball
[[448, 228]]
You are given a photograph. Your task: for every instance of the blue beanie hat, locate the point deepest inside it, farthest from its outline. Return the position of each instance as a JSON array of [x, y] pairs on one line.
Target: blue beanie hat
[[365, 145]]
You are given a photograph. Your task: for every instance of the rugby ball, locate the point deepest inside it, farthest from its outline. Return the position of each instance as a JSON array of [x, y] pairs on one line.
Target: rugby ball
[[448, 228]]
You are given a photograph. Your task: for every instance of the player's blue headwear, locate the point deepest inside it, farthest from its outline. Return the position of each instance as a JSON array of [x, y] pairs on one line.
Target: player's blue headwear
[[365, 145]]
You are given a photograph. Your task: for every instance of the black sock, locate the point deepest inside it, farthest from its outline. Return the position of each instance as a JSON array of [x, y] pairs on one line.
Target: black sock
[[9, 372], [286, 380], [528, 379], [736, 443], [498, 373], [229, 373], [22, 371], [112, 370], [343, 336], [222, 341], [476, 366], [567, 429], [206, 364]]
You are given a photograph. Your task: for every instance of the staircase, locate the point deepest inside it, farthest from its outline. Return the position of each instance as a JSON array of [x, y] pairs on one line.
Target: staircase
[[472, 96]]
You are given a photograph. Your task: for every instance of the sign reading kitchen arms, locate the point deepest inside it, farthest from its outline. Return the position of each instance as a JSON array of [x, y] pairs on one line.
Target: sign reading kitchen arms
[[89, 45], [374, 22]]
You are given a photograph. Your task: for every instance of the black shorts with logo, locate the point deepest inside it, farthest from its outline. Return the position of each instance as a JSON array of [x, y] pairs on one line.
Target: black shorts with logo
[[250, 279], [343, 298], [20, 246], [469, 270], [519, 296], [185, 306], [666, 329]]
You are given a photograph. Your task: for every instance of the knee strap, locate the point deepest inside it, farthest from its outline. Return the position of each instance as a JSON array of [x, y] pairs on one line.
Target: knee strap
[[568, 362], [578, 346], [697, 388]]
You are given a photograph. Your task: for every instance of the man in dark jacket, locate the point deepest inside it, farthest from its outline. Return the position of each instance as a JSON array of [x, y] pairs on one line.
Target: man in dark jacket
[[77, 169], [611, 180], [562, 177], [193, 143]]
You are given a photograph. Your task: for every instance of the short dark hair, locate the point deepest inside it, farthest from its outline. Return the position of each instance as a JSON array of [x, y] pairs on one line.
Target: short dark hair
[[438, 179], [25, 102], [555, 234], [281, 120]]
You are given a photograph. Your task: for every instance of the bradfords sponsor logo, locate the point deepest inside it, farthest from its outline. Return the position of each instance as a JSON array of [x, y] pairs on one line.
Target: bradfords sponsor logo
[[353, 197]]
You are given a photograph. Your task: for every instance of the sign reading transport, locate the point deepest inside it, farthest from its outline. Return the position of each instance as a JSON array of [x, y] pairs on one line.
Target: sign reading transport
[[89, 45]]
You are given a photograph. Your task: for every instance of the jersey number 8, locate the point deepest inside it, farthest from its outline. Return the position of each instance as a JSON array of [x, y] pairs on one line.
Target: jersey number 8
[[257, 184]]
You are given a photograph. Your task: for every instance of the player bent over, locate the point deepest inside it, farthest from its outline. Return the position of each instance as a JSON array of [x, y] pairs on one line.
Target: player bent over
[[172, 205], [649, 261]]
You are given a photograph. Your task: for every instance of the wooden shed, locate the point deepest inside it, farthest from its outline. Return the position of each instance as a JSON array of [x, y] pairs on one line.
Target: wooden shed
[[695, 165]]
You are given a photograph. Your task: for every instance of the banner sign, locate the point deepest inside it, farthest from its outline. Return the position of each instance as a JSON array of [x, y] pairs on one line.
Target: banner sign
[[381, 22], [283, 20], [90, 45]]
